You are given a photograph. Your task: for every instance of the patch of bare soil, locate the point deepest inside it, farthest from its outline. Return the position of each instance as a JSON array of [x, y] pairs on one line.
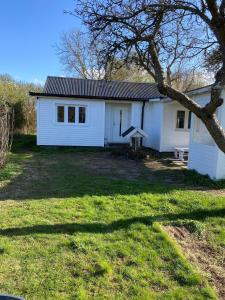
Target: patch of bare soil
[[218, 192], [209, 261], [106, 164], [153, 170]]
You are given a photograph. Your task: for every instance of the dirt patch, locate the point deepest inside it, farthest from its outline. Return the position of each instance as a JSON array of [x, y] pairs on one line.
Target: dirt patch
[[152, 170], [209, 261], [218, 192]]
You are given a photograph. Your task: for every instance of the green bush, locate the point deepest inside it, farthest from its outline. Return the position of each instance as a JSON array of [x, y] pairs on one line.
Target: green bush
[[16, 94]]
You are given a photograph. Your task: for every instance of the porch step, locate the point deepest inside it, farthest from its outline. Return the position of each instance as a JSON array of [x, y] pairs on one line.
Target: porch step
[[117, 145]]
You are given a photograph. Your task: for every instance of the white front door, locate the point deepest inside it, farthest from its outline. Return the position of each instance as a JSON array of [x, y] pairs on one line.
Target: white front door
[[120, 122]]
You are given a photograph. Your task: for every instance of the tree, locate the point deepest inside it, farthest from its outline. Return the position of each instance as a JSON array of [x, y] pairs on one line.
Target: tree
[[78, 56], [161, 34], [81, 58], [214, 60]]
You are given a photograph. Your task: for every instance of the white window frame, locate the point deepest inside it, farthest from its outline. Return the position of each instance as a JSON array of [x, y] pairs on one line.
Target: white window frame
[[186, 115], [76, 123]]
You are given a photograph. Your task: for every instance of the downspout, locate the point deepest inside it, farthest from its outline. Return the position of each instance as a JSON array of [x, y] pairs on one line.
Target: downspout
[[142, 118]]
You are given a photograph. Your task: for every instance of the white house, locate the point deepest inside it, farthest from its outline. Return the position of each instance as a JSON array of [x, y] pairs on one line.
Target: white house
[[84, 112]]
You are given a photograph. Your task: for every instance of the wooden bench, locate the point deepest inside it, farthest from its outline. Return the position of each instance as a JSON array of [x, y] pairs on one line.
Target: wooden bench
[[180, 153]]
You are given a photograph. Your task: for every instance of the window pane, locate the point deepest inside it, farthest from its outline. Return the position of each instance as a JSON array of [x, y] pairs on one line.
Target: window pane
[[71, 114], [82, 114], [180, 119], [60, 113], [189, 120]]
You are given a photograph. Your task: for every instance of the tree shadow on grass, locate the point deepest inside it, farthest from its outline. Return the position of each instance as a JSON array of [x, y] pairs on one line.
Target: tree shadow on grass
[[102, 228], [63, 173]]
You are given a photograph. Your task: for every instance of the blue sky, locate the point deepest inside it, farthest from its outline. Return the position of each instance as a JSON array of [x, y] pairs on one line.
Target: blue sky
[[29, 29]]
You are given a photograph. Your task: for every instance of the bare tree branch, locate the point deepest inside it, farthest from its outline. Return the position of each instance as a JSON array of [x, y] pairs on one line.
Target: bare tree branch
[[163, 35]]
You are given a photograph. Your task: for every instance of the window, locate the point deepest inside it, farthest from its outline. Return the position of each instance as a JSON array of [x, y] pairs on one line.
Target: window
[[71, 114], [82, 114], [180, 119], [189, 120], [60, 114]]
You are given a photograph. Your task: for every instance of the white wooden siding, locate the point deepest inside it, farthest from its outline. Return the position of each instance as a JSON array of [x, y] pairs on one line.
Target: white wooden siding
[[205, 157], [136, 110], [153, 121], [160, 125], [49, 132], [220, 172], [172, 137]]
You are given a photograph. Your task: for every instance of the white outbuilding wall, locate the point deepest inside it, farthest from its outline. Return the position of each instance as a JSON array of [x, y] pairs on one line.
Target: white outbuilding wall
[[205, 157], [171, 136], [153, 122], [160, 125], [136, 110], [103, 123], [50, 132]]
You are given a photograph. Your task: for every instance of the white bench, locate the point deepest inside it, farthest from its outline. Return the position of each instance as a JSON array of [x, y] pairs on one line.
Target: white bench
[[180, 153]]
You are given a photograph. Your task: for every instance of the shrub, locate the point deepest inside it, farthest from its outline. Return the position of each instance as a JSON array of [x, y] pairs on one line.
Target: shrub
[[130, 153], [16, 94], [6, 120]]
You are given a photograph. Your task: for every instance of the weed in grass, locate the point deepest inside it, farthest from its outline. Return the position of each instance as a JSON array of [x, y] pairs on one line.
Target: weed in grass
[[2, 249], [102, 268]]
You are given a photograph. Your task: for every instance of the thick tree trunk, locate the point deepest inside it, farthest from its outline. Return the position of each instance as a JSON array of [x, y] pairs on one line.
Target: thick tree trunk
[[216, 131], [207, 113]]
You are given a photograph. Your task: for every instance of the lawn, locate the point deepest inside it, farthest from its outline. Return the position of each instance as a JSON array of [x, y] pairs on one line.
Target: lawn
[[81, 224]]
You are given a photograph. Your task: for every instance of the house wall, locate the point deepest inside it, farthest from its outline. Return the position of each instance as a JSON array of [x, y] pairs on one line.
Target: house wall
[[204, 156], [203, 159], [153, 120], [49, 132], [160, 125], [220, 171], [136, 110], [172, 137]]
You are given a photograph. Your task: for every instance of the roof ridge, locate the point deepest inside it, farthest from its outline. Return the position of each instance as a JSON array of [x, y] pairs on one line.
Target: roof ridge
[[104, 80]]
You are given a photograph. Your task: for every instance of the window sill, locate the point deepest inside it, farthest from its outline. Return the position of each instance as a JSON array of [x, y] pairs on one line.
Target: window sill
[[71, 124], [182, 130]]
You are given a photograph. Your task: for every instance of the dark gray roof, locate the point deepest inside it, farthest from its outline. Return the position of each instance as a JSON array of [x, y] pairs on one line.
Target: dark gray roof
[[98, 89], [128, 131]]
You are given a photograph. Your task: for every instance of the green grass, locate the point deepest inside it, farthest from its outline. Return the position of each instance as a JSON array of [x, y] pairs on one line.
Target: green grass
[[68, 232]]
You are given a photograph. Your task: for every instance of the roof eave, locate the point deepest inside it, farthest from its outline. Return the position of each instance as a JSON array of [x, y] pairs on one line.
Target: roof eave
[[85, 97]]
